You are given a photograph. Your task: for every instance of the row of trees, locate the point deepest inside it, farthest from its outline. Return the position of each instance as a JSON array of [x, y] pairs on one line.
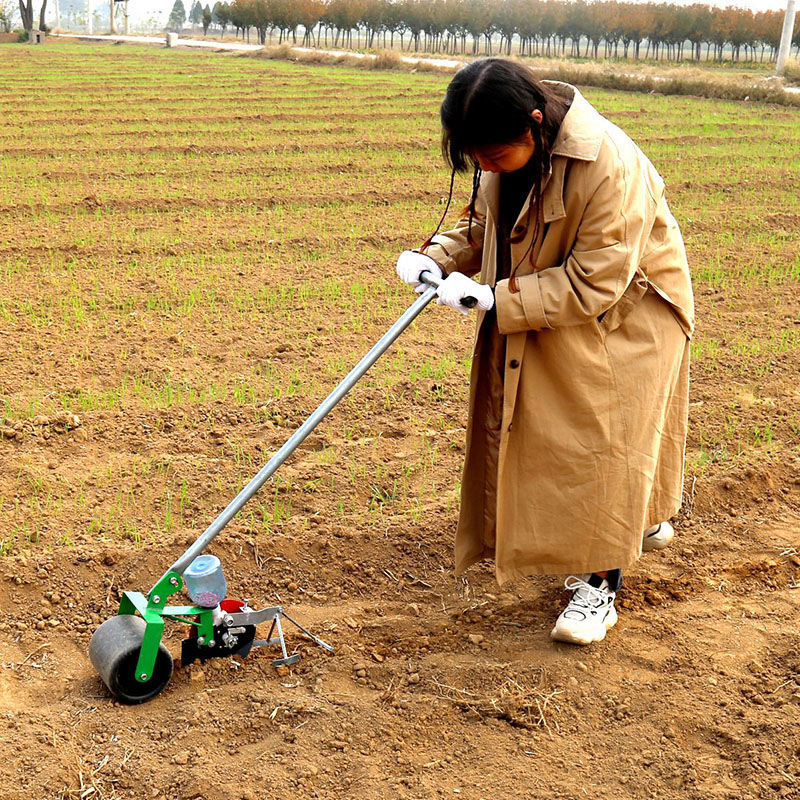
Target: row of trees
[[537, 27], [199, 15]]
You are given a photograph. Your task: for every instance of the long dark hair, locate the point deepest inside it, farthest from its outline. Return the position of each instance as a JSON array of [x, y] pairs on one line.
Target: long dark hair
[[489, 103]]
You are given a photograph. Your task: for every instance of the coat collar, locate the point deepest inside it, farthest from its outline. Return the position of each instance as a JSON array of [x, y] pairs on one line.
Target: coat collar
[[581, 132], [579, 137]]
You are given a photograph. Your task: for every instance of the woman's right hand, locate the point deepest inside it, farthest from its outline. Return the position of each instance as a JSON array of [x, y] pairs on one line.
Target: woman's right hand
[[411, 264]]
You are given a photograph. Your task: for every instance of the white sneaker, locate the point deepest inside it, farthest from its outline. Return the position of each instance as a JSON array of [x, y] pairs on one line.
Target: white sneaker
[[590, 612], [657, 537]]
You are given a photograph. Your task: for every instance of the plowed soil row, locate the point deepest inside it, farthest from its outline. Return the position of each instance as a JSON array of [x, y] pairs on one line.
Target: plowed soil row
[[156, 349]]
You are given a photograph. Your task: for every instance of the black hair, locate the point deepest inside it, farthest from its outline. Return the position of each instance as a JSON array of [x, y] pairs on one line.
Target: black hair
[[489, 103]]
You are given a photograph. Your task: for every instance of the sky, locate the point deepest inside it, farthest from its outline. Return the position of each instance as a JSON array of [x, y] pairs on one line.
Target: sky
[[146, 10]]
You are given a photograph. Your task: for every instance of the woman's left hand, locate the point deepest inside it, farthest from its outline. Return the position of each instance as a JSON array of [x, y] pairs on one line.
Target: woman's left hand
[[457, 286]]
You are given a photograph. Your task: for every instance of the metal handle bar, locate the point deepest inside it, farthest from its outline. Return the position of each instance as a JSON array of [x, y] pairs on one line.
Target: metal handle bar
[[294, 441], [305, 429]]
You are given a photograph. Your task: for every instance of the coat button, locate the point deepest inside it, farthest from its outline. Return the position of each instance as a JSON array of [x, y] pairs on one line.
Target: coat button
[[513, 363], [509, 425], [519, 229]]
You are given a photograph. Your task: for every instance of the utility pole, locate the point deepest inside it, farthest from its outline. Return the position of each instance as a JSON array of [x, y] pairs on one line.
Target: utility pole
[[90, 13], [126, 17], [786, 37], [58, 16], [111, 16]]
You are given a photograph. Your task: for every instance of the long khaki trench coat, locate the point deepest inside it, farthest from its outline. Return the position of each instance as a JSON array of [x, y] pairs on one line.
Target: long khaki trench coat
[[577, 426]]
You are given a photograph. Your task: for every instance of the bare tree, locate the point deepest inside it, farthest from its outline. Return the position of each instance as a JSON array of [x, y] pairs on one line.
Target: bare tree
[[26, 12], [8, 8]]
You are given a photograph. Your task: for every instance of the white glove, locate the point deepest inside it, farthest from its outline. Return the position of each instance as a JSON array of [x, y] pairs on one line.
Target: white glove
[[411, 264], [457, 286]]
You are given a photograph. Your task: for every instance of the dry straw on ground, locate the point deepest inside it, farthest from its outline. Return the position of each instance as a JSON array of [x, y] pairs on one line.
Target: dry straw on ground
[[523, 701], [681, 80], [383, 59], [791, 72]]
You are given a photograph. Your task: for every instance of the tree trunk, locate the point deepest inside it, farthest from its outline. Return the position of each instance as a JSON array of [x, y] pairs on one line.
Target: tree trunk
[[26, 14]]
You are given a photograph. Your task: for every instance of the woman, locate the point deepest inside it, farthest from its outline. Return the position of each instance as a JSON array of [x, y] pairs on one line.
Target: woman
[[579, 386]]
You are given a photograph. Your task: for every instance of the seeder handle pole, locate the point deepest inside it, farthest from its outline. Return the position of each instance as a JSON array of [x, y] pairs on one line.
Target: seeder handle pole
[[316, 417]]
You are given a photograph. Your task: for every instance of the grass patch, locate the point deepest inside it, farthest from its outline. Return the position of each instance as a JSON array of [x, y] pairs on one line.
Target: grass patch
[[207, 251]]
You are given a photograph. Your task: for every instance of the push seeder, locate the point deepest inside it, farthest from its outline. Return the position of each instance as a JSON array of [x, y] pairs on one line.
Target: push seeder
[[127, 650]]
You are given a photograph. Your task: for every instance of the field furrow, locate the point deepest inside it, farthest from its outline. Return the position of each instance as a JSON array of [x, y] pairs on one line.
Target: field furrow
[[194, 249]]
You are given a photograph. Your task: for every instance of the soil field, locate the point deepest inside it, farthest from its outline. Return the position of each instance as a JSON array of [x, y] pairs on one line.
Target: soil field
[[194, 249]]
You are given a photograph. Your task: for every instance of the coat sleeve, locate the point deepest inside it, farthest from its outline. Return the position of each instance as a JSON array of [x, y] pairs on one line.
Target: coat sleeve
[[453, 251], [610, 239]]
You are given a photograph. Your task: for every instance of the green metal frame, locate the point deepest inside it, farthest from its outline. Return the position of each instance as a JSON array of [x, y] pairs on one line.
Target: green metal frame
[[153, 610]]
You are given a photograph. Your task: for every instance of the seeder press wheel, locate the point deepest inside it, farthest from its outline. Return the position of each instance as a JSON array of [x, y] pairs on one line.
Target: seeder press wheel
[[114, 651]]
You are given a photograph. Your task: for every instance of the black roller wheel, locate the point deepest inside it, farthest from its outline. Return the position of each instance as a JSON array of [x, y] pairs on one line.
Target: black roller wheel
[[114, 651]]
